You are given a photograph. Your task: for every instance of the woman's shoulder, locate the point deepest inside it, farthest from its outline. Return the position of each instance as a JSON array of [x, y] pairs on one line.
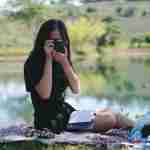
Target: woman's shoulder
[[32, 56], [28, 58]]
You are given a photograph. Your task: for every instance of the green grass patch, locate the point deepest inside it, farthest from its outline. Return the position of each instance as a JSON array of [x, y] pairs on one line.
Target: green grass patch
[[38, 146]]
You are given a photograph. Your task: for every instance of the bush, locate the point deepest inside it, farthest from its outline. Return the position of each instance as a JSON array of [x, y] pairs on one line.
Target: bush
[[118, 10], [141, 41], [90, 10], [144, 13], [11, 38], [147, 37], [126, 12], [110, 37], [83, 33], [108, 19], [136, 42]]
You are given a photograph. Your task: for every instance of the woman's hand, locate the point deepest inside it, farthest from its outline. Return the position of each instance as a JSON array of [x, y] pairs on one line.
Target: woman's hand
[[60, 57], [49, 48]]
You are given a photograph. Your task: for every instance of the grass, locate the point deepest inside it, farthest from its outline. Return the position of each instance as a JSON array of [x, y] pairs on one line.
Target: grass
[[39, 146]]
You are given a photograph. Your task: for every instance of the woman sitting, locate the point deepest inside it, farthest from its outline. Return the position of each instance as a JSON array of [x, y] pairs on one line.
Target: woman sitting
[[48, 71]]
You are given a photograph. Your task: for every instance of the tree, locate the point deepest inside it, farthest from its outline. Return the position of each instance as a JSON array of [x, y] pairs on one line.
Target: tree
[[30, 12], [26, 10]]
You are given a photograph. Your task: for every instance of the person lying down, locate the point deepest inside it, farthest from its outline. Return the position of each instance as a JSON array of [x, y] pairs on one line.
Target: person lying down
[[100, 120]]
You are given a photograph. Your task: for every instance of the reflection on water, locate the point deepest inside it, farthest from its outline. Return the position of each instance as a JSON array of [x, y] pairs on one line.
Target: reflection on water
[[131, 107], [16, 106]]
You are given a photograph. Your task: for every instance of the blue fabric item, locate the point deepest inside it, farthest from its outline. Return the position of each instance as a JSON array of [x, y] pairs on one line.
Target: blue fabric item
[[84, 126], [81, 120], [136, 134]]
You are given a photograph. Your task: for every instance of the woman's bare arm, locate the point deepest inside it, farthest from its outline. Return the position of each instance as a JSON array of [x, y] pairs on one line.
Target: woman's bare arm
[[72, 77], [44, 87]]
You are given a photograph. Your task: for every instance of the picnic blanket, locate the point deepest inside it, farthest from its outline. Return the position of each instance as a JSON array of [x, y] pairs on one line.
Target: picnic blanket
[[23, 132]]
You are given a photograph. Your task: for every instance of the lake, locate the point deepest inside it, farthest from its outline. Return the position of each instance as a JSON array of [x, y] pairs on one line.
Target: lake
[[16, 106]]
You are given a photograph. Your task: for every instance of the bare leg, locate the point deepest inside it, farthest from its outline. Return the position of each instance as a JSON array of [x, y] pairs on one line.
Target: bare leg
[[104, 120], [123, 121]]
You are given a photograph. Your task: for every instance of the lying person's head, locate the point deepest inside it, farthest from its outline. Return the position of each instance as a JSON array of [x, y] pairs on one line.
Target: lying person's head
[[146, 130]]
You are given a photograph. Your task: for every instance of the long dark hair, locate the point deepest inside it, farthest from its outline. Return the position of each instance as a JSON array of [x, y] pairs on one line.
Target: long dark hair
[[43, 35], [39, 54]]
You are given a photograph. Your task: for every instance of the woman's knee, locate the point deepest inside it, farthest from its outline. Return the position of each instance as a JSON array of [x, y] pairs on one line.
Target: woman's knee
[[101, 110], [104, 121]]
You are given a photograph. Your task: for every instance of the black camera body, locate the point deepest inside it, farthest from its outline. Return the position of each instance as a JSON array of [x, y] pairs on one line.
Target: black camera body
[[59, 46]]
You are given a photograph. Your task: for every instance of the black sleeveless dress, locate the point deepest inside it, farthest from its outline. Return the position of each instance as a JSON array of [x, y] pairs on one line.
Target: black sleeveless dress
[[54, 112]]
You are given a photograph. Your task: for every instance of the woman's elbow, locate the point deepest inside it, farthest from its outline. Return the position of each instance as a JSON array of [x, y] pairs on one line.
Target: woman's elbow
[[44, 94]]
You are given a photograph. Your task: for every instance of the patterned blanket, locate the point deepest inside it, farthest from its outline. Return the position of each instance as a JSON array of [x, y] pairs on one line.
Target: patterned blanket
[[23, 132]]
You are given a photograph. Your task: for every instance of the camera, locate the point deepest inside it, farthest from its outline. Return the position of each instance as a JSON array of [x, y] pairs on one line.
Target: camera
[[59, 45]]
